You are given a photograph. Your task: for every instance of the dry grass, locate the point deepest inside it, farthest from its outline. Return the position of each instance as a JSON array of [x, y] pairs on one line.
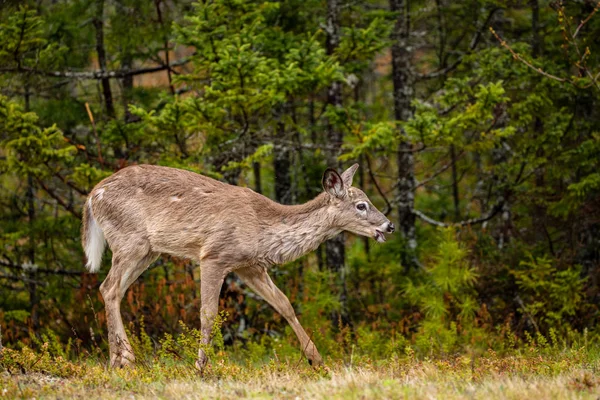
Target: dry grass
[[489, 377]]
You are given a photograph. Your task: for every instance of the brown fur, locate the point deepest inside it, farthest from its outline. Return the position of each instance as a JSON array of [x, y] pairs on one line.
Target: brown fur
[[144, 211]]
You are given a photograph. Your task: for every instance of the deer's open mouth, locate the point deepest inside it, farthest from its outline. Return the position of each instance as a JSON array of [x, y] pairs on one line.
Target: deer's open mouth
[[379, 236]]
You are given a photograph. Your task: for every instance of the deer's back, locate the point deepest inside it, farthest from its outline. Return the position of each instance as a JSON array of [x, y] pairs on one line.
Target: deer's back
[[178, 212]]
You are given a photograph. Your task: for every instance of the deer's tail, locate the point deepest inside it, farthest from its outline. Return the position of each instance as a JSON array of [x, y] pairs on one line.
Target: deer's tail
[[92, 238]]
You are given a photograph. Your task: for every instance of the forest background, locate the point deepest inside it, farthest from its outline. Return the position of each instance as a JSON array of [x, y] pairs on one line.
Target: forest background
[[476, 125]]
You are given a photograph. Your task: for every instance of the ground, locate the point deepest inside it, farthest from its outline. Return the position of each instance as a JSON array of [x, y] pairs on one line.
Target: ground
[[525, 376]]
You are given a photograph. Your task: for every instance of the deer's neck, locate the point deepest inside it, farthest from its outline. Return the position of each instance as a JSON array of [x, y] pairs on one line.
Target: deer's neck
[[297, 230]]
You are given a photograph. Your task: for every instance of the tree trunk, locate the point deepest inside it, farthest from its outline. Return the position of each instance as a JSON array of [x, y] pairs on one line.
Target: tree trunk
[[313, 137], [166, 44], [403, 96], [99, 25], [539, 211], [257, 179], [455, 193], [282, 166], [127, 82], [334, 248], [362, 184], [536, 41], [31, 275]]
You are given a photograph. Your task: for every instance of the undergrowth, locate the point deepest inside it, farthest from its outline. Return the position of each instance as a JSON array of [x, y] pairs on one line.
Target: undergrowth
[[53, 369]]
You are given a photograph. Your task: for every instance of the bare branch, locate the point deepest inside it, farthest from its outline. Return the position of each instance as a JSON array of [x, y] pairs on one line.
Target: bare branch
[[22, 279], [64, 180], [436, 173], [58, 199], [440, 72], [96, 75], [42, 270], [429, 220], [491, 214]]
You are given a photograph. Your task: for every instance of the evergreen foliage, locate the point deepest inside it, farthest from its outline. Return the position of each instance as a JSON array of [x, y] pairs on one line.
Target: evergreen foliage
[[504, 135]]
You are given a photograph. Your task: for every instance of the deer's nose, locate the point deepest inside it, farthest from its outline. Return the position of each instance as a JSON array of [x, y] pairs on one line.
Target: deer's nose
[[391, 228]]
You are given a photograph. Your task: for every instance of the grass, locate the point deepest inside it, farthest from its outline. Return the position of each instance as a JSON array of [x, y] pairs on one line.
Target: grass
[[530, 373]]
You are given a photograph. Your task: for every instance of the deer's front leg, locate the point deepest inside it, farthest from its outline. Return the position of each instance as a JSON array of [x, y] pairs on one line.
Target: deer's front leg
[[211, 280], [259, 281]]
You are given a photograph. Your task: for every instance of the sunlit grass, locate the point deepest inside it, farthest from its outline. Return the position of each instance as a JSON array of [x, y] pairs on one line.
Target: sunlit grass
[[356, 367], [561, 374]]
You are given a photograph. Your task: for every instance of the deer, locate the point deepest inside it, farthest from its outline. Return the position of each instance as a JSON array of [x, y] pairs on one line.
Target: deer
[[144, 211]]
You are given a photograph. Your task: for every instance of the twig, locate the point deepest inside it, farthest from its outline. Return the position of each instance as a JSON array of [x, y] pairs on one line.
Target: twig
[[381, 193], [594, 11], [100, 159], [516, 56], [581, 63]]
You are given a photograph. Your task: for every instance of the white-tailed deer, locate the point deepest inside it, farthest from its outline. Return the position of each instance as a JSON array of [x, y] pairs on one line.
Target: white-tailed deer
[[143, 211]]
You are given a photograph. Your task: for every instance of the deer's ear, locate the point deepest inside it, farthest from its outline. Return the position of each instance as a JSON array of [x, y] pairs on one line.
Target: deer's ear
[[348, 174], [333, 183]]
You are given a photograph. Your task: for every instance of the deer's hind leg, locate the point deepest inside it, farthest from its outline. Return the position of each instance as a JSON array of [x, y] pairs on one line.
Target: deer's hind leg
[[127, 265]]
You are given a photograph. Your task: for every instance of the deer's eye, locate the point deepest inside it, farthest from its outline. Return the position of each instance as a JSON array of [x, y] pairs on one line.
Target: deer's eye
[[361, 206]]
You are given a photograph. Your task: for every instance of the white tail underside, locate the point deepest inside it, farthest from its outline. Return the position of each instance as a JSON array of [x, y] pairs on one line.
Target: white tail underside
[[95, 244]]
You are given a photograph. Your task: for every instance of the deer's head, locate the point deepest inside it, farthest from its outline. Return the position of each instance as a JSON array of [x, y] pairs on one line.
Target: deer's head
[[354, 212]]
